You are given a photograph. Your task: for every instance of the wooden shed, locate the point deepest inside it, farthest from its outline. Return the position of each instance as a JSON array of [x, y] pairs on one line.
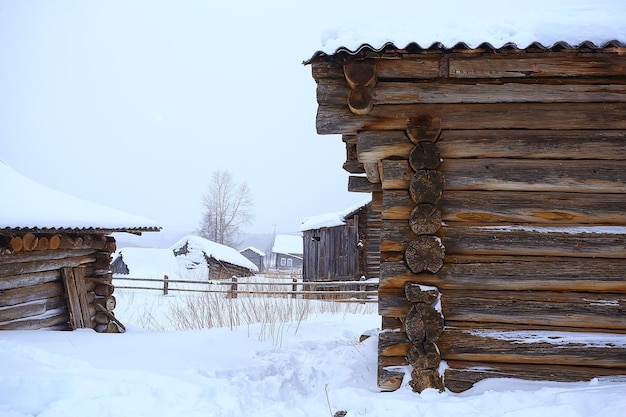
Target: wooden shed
[[502, 177], [342, 246], [217, 260], [55, 254], [254, 255]]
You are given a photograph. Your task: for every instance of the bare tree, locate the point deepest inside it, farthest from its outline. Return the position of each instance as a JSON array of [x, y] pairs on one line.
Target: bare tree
[[227, 206]]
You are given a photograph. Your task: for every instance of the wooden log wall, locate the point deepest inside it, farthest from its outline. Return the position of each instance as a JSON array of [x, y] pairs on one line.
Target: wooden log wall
[[57, 281], [516, 161]]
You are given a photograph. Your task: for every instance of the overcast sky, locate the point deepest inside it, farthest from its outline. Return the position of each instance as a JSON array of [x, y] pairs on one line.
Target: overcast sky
[[134, 103]]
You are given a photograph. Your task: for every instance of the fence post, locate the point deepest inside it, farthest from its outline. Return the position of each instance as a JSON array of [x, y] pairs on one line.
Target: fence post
[[294, 287], [233, 288], [165, 284]]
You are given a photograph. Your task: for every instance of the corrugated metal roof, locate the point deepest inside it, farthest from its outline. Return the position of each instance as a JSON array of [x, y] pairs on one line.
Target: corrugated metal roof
[[415, 48]]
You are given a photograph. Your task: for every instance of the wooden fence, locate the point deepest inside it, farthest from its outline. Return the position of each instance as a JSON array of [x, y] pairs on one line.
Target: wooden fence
[[345, 291]]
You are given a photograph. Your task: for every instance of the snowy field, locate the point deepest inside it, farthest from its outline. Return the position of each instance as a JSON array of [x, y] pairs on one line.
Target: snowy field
[[302, 358]]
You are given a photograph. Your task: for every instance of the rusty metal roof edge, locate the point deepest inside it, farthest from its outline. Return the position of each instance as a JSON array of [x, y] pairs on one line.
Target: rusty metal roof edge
[[97, 230], [414, 47]]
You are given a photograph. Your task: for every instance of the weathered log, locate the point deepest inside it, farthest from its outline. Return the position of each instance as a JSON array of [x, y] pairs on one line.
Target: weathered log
[[22, 311], [335, 91], [43, 243], [425, 253], [535, 241], [389, 379], [425, 127], [422, 379], [66, 242], [565, 309], [423, 324], [395, 236], [360, 74], [560, 116], [360, 101], [103, 289], [529, 346], [30, 293], [55, 242], [108, 302], [396, 174], [511, 273], [425, 219], [111, 316], [393, 343], [361, 185], [461, 375], [372, 172], [377, 145], [25, 280], [426, 186], [101, 318], [424, 155], [416, 293], [424, 355], [566, 63], [58, 320], [30, 242], [17, 244], [517, 175]]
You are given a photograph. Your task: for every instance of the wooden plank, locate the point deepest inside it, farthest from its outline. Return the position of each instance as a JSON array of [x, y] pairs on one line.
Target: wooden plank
[[54, 320], [512, 273], [588, 242], [375, 145], [570, 309], [515, 207], [461, 375], [531, 346], [78, 307], [27, 265], [559, 116], [517, 175], [336, 92], [423, 66]]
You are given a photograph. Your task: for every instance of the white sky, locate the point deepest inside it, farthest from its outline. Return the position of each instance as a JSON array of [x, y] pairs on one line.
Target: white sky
[[133, 104]]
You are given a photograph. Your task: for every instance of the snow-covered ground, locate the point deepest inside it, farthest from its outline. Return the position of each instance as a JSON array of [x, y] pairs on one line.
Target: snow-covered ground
[[313, 365]]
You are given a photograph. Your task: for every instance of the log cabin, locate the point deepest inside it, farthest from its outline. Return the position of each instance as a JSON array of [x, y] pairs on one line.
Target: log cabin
[[342, 246], [55, 254], [254, 255], [501, 173], [215, 260]]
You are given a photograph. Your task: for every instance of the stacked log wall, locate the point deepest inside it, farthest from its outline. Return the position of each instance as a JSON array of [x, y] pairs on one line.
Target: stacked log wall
[[56, 281], [533, 206]]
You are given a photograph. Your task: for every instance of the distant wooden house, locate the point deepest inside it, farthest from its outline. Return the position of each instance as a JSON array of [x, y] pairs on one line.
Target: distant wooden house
[[342, 246], [255, 256], [219, 261], [145, 263], [55, 253], [501, 173], [287, 252]]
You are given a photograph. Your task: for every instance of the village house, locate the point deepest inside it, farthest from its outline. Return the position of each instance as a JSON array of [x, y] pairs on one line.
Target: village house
[[342, 246], [287, 253], [254, 255], [55, 254], [501, 176]]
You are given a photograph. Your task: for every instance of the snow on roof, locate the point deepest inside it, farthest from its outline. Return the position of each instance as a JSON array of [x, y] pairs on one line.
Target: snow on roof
[[445, 24], [330, 219], [253, 249], [197, 245], [26, 204], [149, 262], [288, 244]]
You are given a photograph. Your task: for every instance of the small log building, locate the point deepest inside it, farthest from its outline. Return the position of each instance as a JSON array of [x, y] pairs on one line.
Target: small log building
[[501, 173], [255, 256], [223, 262], [342, 246], [55, 261]]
